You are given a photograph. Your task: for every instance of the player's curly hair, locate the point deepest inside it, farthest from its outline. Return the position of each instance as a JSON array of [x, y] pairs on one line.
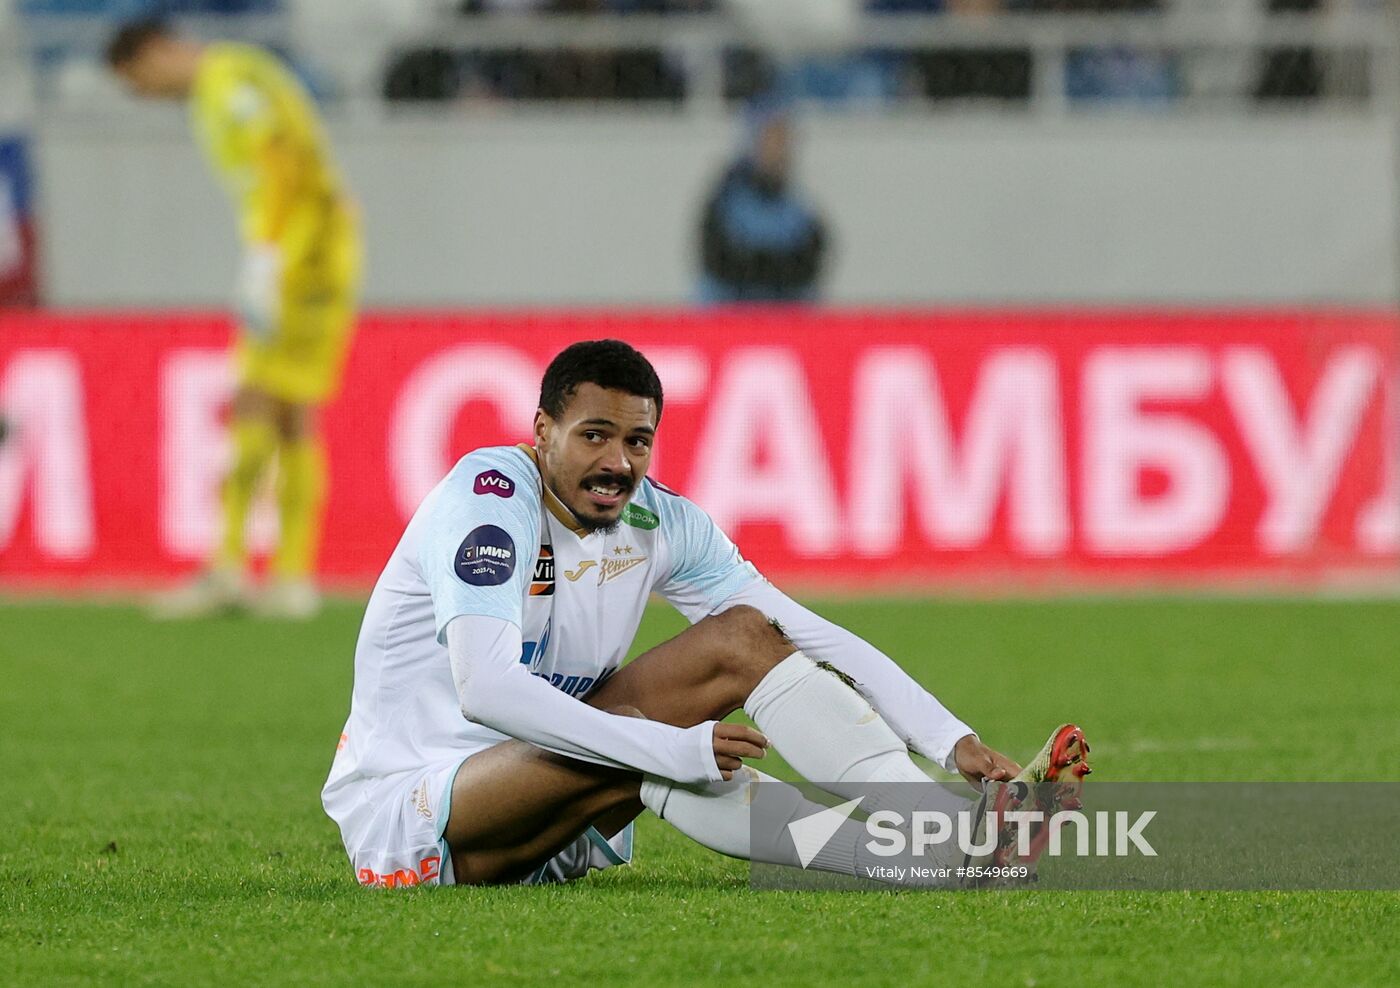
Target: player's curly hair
[[131, 38], [607, 363]]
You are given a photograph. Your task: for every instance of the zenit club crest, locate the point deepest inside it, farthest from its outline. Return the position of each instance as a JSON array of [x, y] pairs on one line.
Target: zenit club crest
[[609, 567]]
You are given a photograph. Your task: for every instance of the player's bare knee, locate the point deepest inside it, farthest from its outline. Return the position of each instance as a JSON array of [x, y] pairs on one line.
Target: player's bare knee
[[626, 710], [250, 403], [293, 421], [759, 634], [753, 644]]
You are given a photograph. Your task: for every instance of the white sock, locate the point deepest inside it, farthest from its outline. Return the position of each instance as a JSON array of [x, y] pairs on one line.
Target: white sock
[[718, 816], [836, 740]]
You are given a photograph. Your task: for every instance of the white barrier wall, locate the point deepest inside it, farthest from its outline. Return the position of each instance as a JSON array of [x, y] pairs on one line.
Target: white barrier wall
[[474, 210]]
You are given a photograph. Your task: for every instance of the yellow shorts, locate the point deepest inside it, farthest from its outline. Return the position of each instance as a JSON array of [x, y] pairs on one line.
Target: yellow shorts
[[301, 363]]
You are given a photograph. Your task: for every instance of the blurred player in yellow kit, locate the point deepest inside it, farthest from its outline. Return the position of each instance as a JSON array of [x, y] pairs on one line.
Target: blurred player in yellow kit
[[295, 295]]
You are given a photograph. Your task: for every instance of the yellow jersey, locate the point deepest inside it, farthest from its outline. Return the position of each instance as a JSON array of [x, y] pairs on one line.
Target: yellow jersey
[[260, 131]]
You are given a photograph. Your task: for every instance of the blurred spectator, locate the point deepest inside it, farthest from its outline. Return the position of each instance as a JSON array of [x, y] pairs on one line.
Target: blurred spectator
[[959, 73], [19, 280], [1305, 72], [590, 6], [502, 6], [560, 74], [638, 74], [664, 6], [1118, 73], [1292, 73], [423, 75], [760, 241], [853, 78], [1089, 6], [843, 79], [1006, 73], [126, 9], [1002, 73], [748, 74]]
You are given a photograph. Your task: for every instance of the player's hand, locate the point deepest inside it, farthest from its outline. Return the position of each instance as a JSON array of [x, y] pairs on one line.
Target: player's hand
[[258, 294], [977, 762], [734, 742]]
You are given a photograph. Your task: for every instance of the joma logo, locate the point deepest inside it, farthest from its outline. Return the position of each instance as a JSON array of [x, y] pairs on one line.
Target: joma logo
[[583, 567], [607, 569]]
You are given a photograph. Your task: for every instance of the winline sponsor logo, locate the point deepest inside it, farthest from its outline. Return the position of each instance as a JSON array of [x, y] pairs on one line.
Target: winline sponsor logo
[[542, 580]]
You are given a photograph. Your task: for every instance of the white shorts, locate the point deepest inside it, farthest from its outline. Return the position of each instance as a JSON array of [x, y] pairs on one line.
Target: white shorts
[[399, 838]]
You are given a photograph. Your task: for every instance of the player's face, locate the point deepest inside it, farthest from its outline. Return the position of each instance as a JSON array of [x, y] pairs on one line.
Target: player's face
[[773, 150], [597, 452], [153, 73]]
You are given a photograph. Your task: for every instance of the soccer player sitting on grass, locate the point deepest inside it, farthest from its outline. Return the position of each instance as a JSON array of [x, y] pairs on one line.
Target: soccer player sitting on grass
[[295, 294], [492, 736]]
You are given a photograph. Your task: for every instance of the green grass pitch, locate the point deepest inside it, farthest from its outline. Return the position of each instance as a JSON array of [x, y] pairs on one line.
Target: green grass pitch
[[161, 823]]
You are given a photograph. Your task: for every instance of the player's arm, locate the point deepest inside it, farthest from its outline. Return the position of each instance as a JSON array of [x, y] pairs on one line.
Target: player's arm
[[277, 180], [474, 552], [708, 575], [260, 152], [496, 690], [273, 183], [268, 176]]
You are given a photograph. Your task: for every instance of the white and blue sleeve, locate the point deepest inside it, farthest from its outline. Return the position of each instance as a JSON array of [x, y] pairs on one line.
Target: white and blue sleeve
[[478, 533], [494, 689], [706, 567]]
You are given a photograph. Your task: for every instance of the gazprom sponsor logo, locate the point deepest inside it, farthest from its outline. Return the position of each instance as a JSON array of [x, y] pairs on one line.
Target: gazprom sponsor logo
[[572, 685]]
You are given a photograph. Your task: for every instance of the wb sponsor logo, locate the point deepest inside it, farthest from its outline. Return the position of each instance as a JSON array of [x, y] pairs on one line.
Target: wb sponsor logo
[[494, 482]]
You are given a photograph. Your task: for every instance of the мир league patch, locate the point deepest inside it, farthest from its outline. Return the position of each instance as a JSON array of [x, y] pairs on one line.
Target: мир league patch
[[486, 557]]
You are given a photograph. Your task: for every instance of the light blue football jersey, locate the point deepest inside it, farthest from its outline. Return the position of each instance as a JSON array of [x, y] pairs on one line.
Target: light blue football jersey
[[491, 540]]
